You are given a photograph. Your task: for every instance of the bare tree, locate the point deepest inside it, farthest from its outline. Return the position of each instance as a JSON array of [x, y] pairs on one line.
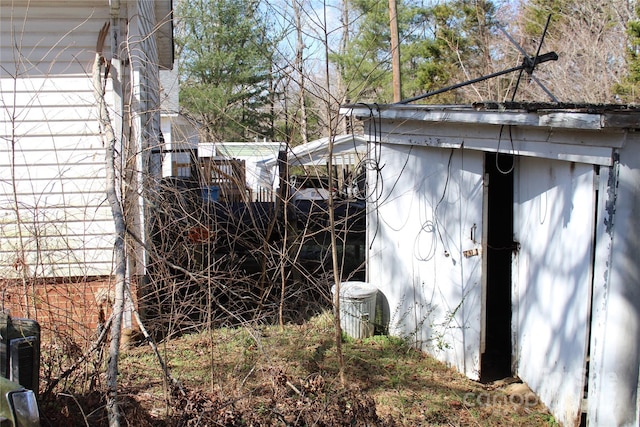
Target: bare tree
[[589, 38], [299, 69], [110, 142]]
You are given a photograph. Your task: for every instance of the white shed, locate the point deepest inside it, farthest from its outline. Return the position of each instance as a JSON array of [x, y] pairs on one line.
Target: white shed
[[348, 149], [348, 154], [54, 218], [505, 239]]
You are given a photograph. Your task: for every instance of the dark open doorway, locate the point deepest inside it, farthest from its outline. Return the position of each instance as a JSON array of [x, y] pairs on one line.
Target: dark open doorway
[[496, 358]]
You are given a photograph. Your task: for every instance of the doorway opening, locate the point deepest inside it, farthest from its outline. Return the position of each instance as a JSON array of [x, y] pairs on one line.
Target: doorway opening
[[496, 358]]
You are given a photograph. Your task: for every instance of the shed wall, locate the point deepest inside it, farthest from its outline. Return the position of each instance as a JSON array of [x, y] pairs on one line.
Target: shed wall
[[421, 221], [554, 225], [576, 293], [614, 394]]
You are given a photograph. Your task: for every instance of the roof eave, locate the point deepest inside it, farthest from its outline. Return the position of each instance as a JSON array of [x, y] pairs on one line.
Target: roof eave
[[569, 116]]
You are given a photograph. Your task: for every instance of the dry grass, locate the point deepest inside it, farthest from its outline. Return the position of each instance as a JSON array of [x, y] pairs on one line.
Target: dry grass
[[265, 376]]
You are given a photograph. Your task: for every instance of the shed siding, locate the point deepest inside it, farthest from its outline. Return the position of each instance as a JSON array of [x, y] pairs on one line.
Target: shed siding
[[576, 276], [417, 232], [614, 384], [54, 220], [554, 225]]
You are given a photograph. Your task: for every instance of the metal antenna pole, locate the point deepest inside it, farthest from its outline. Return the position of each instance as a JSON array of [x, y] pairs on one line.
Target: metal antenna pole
[[530, 69], [528, 64], [550, 56]]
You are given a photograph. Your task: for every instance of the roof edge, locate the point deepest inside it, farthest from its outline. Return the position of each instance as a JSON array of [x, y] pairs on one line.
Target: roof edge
[[538, 114]]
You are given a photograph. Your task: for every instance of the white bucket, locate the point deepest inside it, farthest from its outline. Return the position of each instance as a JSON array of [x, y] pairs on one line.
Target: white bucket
[[357, 308]]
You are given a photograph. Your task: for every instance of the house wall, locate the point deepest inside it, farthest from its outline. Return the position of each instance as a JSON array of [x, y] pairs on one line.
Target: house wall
[[56, 226], [169, 89], [71, 313], [54, 220], [426, 212], [253, 154], [144, 158], [181, 143]]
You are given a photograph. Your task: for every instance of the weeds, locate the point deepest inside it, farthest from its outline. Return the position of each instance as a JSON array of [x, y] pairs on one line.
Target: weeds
[[266, 376]]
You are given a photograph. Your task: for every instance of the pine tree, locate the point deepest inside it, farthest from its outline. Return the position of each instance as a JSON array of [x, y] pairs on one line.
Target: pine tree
[[436, 41], [537, 12], [366, 58], [225, 67]]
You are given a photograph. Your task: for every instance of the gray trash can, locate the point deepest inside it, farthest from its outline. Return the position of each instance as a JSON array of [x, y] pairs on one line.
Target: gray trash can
[[357, 308]]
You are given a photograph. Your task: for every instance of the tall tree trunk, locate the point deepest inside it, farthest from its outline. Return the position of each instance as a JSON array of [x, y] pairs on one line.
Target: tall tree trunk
[[110, 140], [395, 51], [299, 69], [332, 223], [345, 122]]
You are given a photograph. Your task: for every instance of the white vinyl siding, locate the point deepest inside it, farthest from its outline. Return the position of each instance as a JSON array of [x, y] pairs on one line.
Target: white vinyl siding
[[54, 217]]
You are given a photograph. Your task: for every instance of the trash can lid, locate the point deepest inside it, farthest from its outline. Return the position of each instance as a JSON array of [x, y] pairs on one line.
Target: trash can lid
[[355, 290]]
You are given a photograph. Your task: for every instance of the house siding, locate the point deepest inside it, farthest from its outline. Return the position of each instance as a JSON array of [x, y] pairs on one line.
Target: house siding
[[145, 119], [54, 221], [56, 226], [54, 218]]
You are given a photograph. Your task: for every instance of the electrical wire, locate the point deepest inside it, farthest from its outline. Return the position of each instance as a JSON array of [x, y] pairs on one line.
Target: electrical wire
[[444, 193], [513, 152]]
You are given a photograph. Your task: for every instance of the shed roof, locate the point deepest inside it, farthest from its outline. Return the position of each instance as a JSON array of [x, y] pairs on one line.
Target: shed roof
[[236, 149], [316, 152], [560, 115], [586, 133]]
